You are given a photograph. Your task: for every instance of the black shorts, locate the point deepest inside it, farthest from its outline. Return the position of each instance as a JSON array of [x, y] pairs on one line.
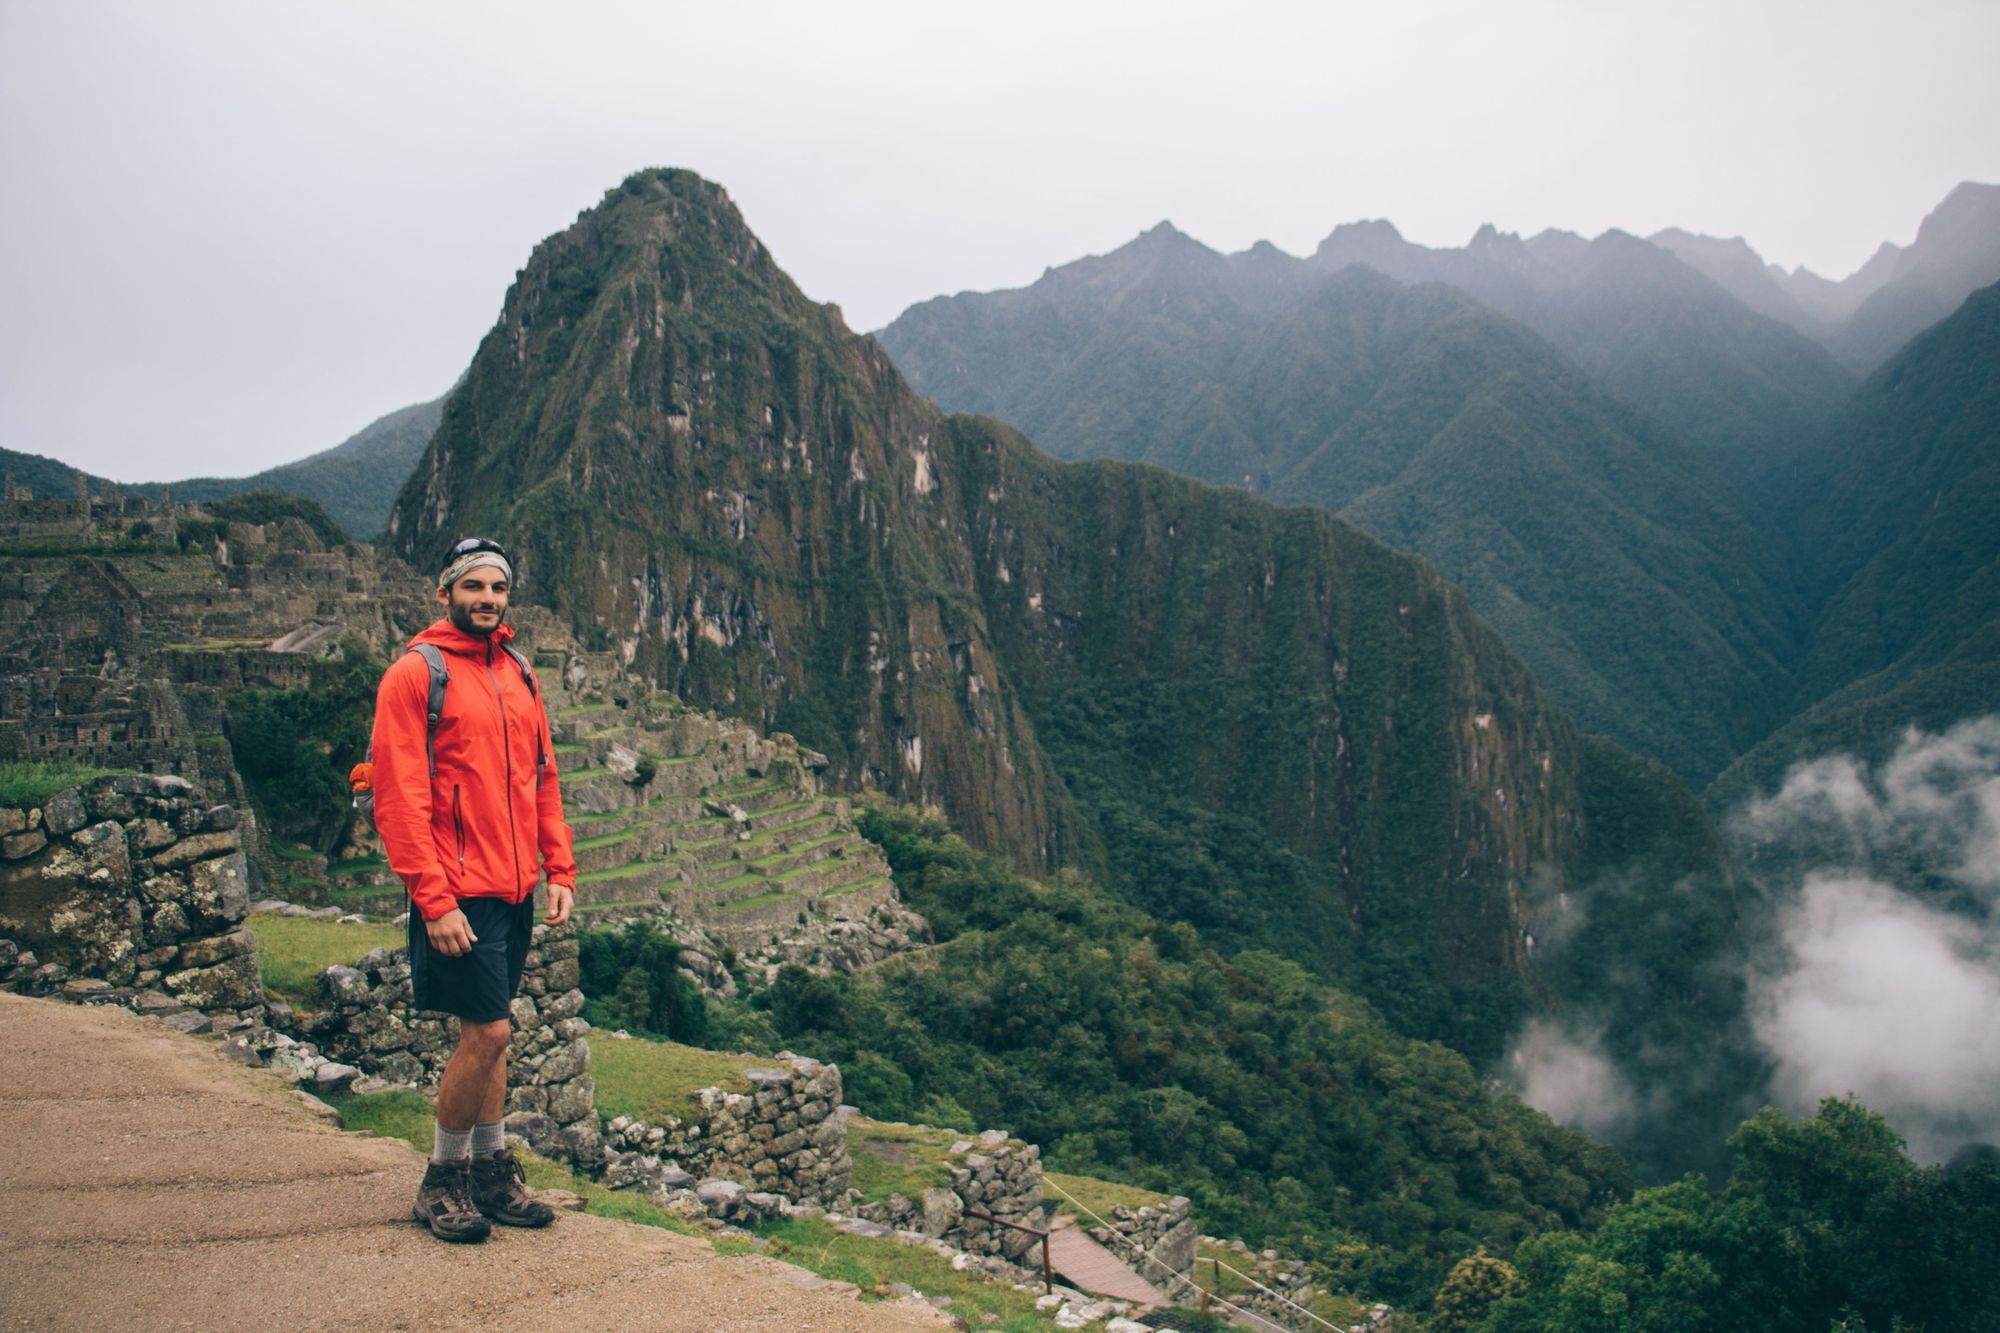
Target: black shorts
[[478, 986]]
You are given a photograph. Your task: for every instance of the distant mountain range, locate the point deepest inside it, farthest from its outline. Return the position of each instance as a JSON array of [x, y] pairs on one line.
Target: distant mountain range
[[1626, 497], [1899, 292], [355, 481]]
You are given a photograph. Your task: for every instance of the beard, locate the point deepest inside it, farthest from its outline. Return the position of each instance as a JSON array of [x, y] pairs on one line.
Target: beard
[[460, 615]]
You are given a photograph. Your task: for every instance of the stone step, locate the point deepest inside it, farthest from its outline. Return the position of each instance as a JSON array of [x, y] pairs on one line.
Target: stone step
[[603, 823], [810, 880], [633, 881], [739, 888], [765, 842], [795, 854], [714, 872], [705, 843], [749, 794], [785, 816]]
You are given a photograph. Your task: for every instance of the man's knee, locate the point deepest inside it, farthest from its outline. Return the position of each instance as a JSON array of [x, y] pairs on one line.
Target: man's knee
[[485, 1041]]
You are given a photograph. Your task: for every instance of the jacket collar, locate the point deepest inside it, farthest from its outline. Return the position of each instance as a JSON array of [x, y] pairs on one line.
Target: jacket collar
[[452, 639]]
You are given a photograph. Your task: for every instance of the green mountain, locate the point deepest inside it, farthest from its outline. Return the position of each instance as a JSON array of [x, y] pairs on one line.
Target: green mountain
[[1593, 539], [1255, 719], [1900, 554], [355, 481]]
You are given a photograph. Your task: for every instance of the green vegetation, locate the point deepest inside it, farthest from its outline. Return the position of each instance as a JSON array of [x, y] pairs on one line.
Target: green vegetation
[[25, 784], [877, 1265], [1094, 1196], [292, 951], [404, 1114], [655, 1080], [1826, 1224], [898, 1159], [295, 747], [634, 984], [1130, 1051]]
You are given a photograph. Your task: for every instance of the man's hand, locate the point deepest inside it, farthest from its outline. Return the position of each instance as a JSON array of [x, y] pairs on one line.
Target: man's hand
[[451, 934], [561, 896]]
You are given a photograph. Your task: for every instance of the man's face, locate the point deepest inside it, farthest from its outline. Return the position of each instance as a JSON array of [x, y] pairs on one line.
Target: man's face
[[477, 603]]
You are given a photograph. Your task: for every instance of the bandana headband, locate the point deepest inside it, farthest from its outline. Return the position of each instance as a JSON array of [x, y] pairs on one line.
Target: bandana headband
[[465, 564]]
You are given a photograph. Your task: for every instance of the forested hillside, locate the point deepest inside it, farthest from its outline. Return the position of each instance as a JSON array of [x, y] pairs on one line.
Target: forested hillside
[[1900, 554]]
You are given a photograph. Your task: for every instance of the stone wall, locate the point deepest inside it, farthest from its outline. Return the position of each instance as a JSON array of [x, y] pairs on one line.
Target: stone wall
[[369, 1023], [784, 1136], [1158, 1242], [136, 882], [1000, 1177]]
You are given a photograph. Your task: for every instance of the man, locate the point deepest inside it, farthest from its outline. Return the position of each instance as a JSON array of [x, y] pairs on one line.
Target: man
[[471, 818]]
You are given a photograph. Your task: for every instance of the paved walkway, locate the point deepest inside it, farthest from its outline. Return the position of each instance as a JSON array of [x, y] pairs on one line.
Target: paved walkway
[[1090, 1267], [146, 1183]]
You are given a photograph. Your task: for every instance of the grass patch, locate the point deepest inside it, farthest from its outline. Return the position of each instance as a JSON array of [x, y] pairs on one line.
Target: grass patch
[[899, 1159], [26, 784], [606, 839], [404, 1114], [841, 890], [291, 851], [876, 1265], [293, 950], [352, 892], [606, 817], [629, 871], [751, 904], [1099, 1196], [359, 866], [654, 1080]]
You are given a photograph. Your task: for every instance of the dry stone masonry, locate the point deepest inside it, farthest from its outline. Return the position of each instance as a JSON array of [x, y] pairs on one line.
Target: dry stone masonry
[[784, 1136], [1159, 1242], [135, 883]]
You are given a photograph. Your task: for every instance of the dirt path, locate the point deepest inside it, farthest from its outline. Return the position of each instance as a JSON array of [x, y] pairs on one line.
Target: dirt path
[[144, 1182]]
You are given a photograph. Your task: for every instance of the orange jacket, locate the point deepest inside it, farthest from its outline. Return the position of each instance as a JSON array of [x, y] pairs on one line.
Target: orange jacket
[[480, 828]]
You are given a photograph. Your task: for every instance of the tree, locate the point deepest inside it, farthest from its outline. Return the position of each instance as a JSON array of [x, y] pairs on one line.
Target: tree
[[1475, 1284]]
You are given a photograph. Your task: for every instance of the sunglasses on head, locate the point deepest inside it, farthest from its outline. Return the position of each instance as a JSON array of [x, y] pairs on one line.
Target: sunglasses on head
[[476, 546]]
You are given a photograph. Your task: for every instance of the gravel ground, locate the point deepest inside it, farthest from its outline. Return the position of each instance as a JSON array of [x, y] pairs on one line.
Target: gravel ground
[[147, 1183]]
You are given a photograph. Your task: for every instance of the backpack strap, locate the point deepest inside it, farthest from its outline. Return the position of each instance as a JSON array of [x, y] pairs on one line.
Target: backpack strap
[[528, 676], [433, 709]]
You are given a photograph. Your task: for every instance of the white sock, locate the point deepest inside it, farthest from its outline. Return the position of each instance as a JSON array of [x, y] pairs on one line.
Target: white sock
[[451, 1145], [488, 1138]]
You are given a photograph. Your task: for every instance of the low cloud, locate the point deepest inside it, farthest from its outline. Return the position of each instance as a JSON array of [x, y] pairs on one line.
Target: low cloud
[[1885, 978], [1566, 1075], [1891, 1000]]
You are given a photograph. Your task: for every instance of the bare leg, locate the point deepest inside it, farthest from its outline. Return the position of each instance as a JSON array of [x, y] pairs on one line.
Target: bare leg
[[474, 1085]]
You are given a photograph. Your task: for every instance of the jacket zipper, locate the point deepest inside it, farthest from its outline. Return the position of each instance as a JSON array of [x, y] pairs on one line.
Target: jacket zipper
[[507, 750], [458, 823]]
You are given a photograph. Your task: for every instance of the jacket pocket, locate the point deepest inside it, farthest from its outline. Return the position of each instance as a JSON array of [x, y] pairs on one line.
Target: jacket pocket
[[458, 824]]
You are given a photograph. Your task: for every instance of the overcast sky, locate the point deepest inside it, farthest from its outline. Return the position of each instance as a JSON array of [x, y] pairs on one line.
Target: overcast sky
[[234, 233]]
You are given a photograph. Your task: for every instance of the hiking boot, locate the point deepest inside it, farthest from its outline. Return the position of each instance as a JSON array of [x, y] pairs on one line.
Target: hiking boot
[[445, 1204], [500, 1190]]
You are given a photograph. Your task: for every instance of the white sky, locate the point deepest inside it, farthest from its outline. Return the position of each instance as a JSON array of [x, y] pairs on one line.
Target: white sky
[[234, 233]]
